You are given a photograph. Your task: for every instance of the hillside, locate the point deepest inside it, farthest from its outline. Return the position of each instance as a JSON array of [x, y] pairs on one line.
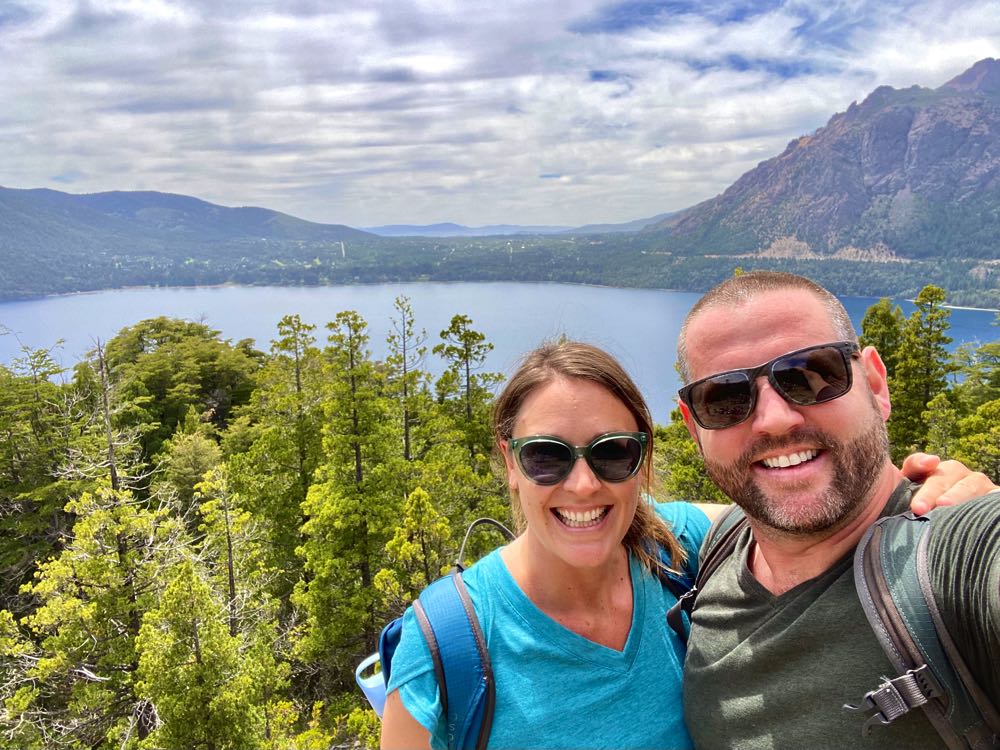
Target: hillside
[[906, 174], [897, 192], [53, 242]]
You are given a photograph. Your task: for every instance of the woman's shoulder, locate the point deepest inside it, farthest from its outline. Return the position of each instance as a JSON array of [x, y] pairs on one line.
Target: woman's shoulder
[[687, 522]]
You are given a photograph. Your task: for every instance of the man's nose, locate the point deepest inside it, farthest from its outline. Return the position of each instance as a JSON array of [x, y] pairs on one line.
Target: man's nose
[[773, 414]]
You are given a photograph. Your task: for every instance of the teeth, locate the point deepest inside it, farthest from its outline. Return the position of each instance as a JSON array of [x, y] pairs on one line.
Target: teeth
[[579, 518], [792, 459]]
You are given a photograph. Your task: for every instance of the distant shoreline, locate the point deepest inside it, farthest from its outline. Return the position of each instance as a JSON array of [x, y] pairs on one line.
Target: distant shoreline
[[235, 285]]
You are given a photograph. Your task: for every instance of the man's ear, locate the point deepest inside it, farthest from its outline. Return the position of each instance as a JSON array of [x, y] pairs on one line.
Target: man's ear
[[877, 378], [690, 423]]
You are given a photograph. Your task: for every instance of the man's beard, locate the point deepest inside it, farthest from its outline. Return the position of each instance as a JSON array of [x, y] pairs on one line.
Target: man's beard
[[857, 464]]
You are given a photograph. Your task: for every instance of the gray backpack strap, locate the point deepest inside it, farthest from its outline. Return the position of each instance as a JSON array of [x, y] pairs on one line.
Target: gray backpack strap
[[890, 573], [719, 544]]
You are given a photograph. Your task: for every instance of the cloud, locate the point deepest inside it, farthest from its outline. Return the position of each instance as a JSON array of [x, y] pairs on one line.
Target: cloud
[[421, 111]]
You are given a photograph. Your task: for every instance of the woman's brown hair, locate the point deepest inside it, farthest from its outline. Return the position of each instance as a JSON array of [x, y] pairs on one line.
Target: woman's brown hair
[[577, 360]]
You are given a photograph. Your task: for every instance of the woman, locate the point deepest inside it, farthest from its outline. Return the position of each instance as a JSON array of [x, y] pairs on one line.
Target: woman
[[573, 610]]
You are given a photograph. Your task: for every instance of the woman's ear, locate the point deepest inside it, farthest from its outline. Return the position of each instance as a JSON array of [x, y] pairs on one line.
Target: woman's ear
[[513, 475]]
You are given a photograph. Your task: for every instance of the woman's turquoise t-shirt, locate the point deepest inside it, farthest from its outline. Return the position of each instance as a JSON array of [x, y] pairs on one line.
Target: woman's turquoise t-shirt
[[554, 688]]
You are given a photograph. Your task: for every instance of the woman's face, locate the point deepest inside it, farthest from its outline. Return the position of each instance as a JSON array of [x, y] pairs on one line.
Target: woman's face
[[581, 520]]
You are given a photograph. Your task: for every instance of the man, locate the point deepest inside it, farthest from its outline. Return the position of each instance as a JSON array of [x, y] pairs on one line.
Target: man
[[779, 642]]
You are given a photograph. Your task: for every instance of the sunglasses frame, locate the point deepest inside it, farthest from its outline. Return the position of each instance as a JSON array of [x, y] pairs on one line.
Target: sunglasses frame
[[515, 445], [847, 349]]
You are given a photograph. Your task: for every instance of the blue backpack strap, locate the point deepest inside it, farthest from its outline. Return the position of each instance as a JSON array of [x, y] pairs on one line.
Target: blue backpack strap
[[461, 661], [388, 639], [890, 574]]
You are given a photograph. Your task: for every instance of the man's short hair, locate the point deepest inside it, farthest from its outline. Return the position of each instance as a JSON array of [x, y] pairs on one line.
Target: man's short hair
[[740, 289]]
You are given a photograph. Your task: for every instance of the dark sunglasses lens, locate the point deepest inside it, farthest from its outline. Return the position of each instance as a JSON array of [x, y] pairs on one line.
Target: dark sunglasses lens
[[616, 459], [814, 376], [722, 401], [546, 461]]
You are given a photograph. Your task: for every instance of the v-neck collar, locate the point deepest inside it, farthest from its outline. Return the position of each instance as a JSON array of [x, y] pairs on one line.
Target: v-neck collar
[[564, 639]]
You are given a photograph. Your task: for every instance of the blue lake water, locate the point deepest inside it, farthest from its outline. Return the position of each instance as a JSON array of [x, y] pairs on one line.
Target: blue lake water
[[639, 326]]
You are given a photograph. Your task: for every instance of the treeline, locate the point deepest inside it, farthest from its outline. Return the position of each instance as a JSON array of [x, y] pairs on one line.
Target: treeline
[[628, 260], [201, 540]]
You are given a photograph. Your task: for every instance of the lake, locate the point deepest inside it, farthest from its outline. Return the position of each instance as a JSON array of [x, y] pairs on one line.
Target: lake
[[639, 326]]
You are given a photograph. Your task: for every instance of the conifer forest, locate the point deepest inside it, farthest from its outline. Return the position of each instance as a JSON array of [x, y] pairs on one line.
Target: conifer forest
[[200, 539]]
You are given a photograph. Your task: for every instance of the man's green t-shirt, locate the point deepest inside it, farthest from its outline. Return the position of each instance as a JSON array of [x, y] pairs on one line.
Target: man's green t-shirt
[[765, 671]]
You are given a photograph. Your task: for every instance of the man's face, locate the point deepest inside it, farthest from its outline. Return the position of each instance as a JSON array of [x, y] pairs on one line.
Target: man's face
[[797, 469]]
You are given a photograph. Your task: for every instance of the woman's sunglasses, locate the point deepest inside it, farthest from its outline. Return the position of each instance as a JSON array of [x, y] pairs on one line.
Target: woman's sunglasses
[[613, 457], [808, 376]]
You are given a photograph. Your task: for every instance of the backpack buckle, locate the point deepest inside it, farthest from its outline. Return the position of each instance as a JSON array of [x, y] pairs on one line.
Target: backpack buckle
[[895, 697]]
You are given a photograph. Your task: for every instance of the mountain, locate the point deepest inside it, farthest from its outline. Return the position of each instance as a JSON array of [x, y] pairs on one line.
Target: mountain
[[628, 226], [448, 229], [899, 191], [151, 216], [907, 174], [52, 241]]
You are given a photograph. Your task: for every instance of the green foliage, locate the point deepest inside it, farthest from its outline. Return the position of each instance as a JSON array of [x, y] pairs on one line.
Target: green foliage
[[167, 366], [462, 386], [417, 553], [351, 508], [364, 724], [91, 600], [187, 458], [301, 498], [35, 433], [678, 467], [941, 419], [407, 383], [979, 372], [280, 443], [882, 327], [978, 442], [922, 367], [190, 667]]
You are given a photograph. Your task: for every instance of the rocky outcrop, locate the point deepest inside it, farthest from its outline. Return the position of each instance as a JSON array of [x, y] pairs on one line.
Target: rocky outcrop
[[913, 173]]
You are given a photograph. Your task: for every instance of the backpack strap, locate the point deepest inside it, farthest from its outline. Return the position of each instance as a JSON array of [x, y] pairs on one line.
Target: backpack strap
[[461, 659], [719, 544], [891, 576]]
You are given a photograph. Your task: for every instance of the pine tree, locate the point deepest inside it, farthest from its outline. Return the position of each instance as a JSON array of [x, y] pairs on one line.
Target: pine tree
[[35, 431], [352, 510], [190, 668], [882, 327], [942, 425], [418, 552], [282, 428], [462, 385], [407, 380], [79, 684], [922, 368], [979, 371]]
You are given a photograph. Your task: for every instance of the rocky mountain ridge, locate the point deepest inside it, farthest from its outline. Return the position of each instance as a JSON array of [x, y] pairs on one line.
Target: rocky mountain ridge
[[910, 173]]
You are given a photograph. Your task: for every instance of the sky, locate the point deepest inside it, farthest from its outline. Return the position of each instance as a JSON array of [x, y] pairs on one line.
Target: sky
[[533, 112]]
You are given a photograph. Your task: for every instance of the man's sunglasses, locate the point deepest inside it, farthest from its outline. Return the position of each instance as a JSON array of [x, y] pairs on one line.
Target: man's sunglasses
[[613, 456], [805, 377]]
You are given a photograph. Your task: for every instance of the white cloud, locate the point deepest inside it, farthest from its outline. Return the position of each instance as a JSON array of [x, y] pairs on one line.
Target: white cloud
[[533, 112]]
